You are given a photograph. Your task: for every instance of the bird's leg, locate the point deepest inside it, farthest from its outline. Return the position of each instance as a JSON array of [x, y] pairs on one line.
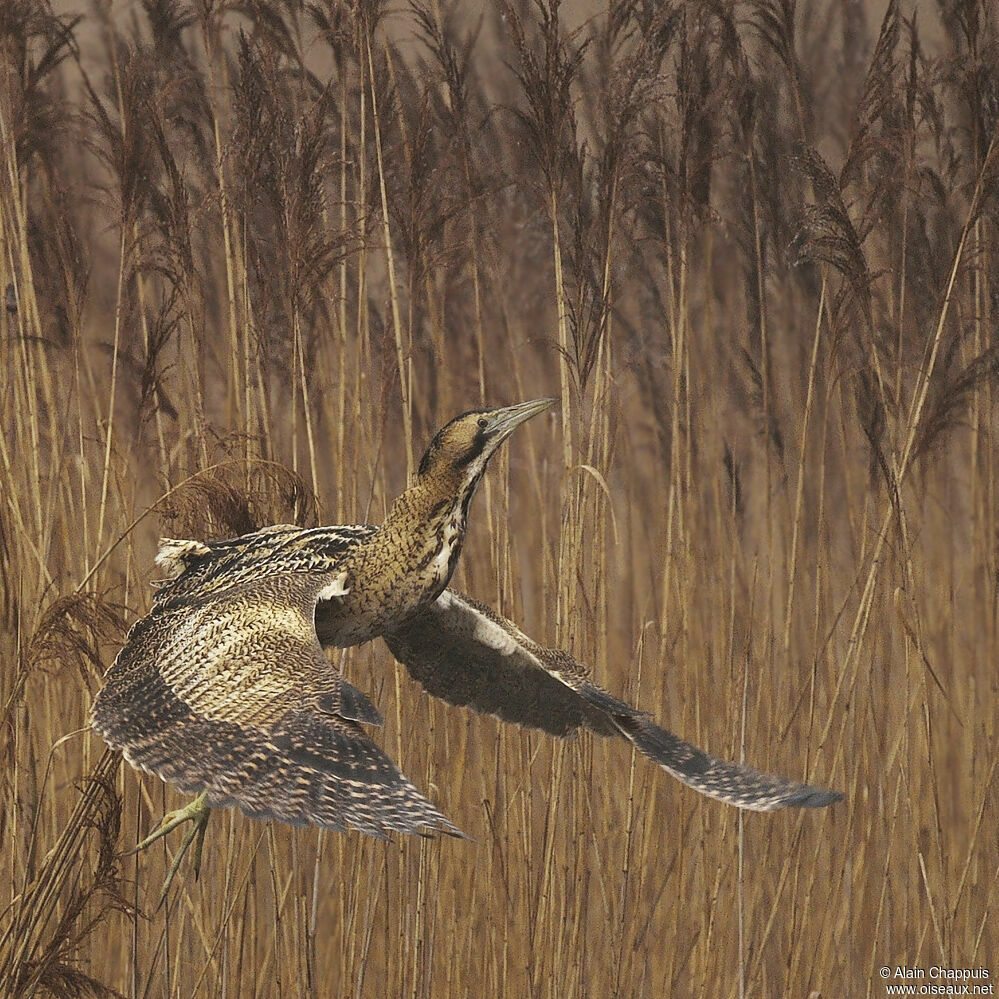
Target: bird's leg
[[197, 812]]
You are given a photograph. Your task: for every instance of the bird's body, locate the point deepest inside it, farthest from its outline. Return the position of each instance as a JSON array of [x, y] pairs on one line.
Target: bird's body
[[224, 689]]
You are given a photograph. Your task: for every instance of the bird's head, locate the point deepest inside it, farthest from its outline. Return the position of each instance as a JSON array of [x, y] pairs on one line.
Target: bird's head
[[465, 445]]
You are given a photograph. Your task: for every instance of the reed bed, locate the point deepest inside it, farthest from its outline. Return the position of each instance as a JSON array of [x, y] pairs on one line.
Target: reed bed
[[255, 254]]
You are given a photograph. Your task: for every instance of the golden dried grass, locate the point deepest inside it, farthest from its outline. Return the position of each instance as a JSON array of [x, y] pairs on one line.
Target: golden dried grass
[[255, 259]]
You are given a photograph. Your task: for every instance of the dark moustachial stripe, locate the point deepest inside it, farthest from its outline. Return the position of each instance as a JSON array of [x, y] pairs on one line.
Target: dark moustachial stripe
[[475, 451]]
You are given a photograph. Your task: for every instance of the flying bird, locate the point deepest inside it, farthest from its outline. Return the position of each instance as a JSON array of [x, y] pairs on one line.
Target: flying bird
[[224, 689]]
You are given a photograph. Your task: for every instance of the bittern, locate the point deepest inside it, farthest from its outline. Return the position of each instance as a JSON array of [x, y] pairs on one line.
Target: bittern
[[223, 689]]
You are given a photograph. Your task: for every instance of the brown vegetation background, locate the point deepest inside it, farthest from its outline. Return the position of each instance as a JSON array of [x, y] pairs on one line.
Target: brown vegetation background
[[255, 254]]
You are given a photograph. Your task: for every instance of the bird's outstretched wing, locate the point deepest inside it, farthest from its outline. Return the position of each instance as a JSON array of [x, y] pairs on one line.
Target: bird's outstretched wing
[[467, 654], [196, 568], [230, 693]]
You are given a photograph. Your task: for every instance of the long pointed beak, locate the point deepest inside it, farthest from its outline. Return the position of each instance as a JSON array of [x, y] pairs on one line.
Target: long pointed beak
[[502, 422]]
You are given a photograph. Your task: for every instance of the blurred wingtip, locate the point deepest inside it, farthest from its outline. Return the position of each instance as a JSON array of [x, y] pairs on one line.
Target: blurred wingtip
[[815, 797]]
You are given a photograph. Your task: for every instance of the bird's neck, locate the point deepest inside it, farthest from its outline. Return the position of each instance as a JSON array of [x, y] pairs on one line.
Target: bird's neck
[[429, 505], [405, 564], [426, 524]]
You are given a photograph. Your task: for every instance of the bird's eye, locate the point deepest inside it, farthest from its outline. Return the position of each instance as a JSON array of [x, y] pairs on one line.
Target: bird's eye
[[483, 422]]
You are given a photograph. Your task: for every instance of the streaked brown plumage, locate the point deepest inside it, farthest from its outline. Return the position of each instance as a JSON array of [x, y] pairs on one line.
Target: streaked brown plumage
[[223, 689]]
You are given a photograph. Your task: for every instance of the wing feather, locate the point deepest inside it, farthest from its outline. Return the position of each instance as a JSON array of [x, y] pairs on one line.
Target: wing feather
[[195, 569], [464, 653], [231, 694], [468, 655]]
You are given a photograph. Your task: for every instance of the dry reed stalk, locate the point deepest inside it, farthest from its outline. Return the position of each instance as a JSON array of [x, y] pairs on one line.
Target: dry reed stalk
[[639, 539]]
